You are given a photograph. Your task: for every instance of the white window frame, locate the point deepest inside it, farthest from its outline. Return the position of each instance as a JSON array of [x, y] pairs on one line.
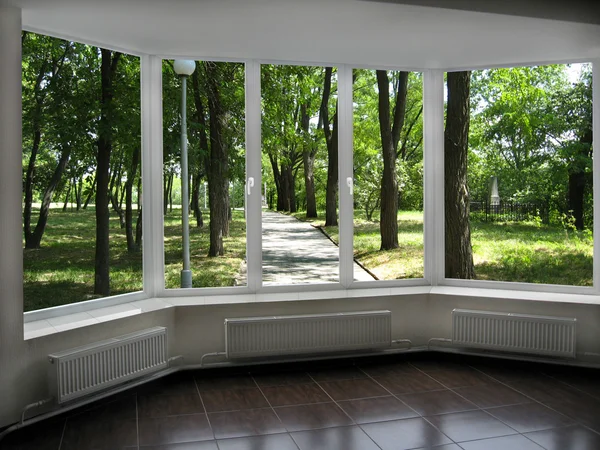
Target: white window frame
[[433, 201]]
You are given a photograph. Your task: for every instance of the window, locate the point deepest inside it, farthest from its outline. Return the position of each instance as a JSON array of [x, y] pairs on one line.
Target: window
[[518, 175], [300, 174], [388, 175], [81, 172], [216, 170]]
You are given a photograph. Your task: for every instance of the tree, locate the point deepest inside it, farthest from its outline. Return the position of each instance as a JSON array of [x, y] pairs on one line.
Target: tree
[[218, 163], [390, 128], [459, 254], [331, 139], [109, 64]]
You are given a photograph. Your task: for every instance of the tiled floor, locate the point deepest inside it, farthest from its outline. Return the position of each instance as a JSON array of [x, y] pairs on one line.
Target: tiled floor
[[418, 401]]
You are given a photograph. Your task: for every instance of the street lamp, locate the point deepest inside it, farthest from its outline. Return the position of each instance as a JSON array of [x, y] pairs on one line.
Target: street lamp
[[184, 68]]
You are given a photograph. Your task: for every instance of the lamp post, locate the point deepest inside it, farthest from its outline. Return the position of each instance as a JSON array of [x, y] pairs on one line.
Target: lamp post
[[184, 68], [205, 184]]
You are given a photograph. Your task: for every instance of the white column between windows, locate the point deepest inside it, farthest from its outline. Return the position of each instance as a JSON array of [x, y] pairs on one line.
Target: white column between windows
[[152, 175], [596, 169], [253, 170], [345, 172], [433, 176], [12, 346]]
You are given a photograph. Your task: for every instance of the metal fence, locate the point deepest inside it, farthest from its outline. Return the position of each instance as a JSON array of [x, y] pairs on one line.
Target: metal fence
[[509, 211]]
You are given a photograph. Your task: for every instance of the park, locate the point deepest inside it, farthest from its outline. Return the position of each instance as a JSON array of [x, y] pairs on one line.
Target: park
[[528, 128]]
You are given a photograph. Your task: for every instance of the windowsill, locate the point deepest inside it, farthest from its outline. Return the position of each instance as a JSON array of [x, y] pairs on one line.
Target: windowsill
[[52, 325]]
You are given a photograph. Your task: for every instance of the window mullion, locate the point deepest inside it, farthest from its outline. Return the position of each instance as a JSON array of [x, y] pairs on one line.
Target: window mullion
[[345, 167], [596, 168], [253, 170], [152, 173], [433, 176]]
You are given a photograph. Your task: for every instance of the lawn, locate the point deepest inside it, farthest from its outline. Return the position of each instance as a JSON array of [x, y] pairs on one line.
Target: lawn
[[62, 271]]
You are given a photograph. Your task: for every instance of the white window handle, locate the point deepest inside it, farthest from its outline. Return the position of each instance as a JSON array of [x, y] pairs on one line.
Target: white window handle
[[350, 184], [250, 184]]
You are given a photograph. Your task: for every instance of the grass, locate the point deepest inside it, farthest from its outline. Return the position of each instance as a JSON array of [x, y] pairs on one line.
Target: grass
[[62, 271]]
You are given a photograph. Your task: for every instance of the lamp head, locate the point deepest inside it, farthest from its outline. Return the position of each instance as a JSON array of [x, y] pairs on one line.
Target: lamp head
[[184, 67]]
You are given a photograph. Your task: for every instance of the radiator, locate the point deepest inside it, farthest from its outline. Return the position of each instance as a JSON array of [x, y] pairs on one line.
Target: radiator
[[85, 370], [518, 333], [307, 334]]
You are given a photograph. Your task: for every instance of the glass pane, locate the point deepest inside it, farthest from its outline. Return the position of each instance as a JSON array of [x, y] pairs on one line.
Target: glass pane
[[81, 150], [300, 173], [216, 152], [521, 189], [388, 175]]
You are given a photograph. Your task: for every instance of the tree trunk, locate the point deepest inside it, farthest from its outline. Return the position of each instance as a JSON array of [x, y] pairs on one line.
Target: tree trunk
[[308, 163], [459, 254], [91, 193], [331, 139], [138, 229], [218, 165], [102, 262], [66, 203], [131, 244], [390, 135], [34, 240], [577, 182], [37, 136], [79, 193]]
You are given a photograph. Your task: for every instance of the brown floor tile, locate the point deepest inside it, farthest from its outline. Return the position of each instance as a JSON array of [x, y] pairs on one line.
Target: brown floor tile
[[435, 363], [343, 438], [174, 430], [469, 426], [377, 409], [122, 408], [388, 369], [549, 390], [233, 399], [490, 395], [574, 437], [169, 405], [237, 381], [352, 389], [308, 417], [84, 434], [267, 442], [585, 410], [282, 378], [180, 383], [298, 394], [336, 374], [515, 442], [409, 383], [436, 402], [202, 445], [45, 435], [461, 377], [405, 434], [250, 422], [529, 417]]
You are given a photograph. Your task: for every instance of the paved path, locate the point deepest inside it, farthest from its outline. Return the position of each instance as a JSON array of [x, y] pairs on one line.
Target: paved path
[[296, 252]]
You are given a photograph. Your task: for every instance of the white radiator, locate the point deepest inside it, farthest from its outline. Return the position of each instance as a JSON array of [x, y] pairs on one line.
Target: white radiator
[[307, 334], [519, 333], [85, 370]]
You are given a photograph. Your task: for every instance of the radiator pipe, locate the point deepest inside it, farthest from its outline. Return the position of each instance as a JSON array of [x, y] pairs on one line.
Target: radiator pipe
[[206, 355], [34, 405], [402, 341], [437, 340]]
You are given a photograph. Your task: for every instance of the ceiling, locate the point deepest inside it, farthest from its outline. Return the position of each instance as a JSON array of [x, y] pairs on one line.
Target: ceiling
[[362, 33], [584, 11]]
